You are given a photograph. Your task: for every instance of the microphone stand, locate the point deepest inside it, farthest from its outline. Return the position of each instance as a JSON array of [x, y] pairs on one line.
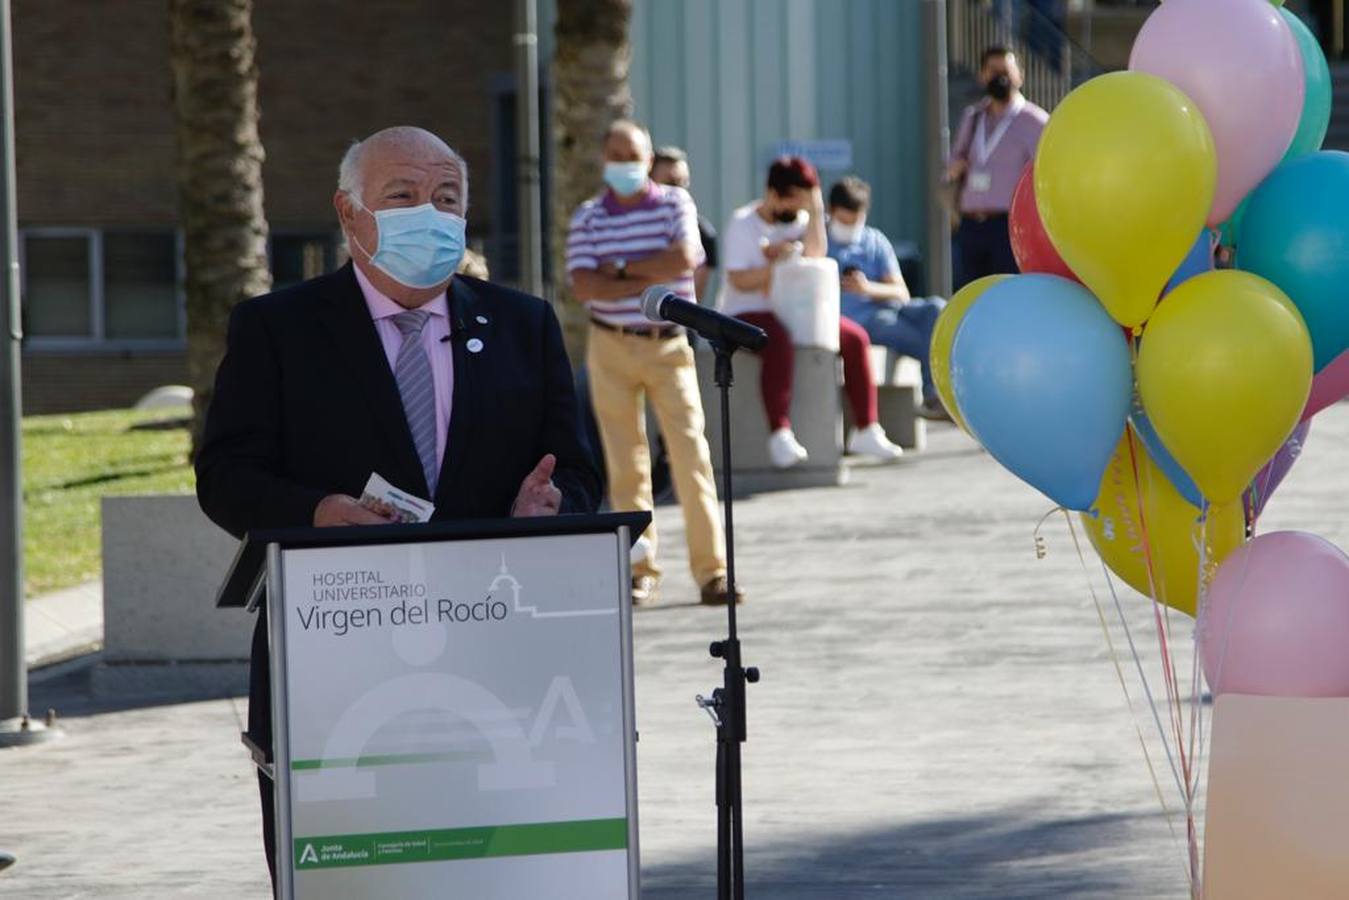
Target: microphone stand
[[727, 704]]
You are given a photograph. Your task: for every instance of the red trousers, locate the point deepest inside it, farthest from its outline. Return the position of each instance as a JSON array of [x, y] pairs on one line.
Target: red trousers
[[776, 378]]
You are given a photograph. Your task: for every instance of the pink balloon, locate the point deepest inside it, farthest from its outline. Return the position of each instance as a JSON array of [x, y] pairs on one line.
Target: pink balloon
[[1239, 62], [1276, 619], [1330, 385]]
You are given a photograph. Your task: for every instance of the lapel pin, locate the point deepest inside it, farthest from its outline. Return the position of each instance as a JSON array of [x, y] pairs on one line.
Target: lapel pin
[[474, 346], [481, 320]]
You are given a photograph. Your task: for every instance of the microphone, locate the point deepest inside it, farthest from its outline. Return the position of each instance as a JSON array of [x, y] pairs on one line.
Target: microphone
[[659, 304]]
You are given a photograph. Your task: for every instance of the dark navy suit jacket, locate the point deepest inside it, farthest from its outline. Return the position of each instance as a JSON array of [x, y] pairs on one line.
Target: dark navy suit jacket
[[305, 405]]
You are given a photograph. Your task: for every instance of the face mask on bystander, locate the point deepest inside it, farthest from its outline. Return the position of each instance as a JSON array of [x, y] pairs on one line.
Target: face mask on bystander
[[625, 178]]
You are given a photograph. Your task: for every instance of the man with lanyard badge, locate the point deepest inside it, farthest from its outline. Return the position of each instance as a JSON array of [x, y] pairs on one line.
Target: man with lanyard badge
[[996, 139]]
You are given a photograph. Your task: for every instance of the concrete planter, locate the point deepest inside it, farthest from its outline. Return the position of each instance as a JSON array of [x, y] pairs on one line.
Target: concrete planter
[[816, 415], [162, 562]]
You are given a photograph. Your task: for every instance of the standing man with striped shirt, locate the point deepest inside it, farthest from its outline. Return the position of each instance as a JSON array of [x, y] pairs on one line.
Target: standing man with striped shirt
[[634, 235]]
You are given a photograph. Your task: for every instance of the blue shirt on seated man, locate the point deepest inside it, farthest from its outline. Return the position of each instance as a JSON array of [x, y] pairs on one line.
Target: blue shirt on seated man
[[874, 294]]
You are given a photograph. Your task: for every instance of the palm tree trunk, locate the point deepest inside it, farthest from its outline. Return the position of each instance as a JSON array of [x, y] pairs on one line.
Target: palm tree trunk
[[215, 93], [590, 89]]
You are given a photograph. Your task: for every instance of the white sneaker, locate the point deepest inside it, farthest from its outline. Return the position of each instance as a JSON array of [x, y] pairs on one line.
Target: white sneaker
[[784, 449], [871, 441]]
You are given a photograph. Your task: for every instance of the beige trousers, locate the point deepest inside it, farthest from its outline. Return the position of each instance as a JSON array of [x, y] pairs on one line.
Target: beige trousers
[[625, 371]]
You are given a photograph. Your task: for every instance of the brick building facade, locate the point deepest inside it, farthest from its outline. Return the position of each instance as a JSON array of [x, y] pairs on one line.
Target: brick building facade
[[97, 199]]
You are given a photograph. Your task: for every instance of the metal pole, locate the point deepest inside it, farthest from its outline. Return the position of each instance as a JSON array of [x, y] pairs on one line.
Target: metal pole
[[15, 727], [527, 180], [937, 128]]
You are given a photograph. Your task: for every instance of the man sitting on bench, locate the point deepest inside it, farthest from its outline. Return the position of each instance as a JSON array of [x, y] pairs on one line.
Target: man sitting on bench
[[874, 294], [759, 235]]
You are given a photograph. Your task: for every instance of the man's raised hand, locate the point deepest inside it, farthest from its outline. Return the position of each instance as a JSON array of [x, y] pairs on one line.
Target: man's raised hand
[[538, 495]]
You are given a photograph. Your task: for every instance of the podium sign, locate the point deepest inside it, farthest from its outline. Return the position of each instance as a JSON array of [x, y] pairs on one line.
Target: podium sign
[[454, 718]]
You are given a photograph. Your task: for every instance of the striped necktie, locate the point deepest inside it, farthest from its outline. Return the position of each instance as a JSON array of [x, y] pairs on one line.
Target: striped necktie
[[412, 371]]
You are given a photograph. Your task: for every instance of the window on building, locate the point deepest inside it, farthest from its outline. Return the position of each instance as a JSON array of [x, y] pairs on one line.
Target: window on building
[[58, 285], [122, 288], [97, 288], [299, 257], [140, 286]]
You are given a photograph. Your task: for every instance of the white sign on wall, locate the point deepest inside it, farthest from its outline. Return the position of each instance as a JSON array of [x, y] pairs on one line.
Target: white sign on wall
[[458, 720]]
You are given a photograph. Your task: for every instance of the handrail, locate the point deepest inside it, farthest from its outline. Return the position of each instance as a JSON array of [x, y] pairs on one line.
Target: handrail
[[1337, 28]]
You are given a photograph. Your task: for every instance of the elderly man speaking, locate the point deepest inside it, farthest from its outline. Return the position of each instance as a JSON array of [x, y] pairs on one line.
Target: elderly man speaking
[[449, 388]]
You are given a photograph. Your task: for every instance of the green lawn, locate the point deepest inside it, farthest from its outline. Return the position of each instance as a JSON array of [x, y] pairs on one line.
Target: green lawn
[[69, 463]]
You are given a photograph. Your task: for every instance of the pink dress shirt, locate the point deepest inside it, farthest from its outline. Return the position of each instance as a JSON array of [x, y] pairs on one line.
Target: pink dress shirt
[[997, 151], [382, 310]]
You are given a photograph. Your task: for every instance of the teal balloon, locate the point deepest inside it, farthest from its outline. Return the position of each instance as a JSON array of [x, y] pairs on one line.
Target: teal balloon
[[1041, 374], [1295, 233], [1311, 128], [1227, 231]]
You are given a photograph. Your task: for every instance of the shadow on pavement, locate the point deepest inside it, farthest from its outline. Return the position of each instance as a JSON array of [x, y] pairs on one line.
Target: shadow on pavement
[[108, 689], [1015, 854]]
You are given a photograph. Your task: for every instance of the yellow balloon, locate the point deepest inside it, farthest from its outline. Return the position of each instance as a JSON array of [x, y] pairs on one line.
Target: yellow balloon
[[1224, 371], [1168, 533], [1124, 179], [944, 335]]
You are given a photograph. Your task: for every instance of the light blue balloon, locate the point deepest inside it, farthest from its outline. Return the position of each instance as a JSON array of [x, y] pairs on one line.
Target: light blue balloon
[[1295, 233], [1198, 261], [1041, 373], [1182, 482]]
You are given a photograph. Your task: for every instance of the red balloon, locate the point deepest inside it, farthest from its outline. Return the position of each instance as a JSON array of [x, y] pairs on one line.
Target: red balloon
[[1030, 242]]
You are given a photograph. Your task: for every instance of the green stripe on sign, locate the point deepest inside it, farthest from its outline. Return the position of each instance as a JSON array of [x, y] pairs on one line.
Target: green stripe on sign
[[450, 844], [386, 759]]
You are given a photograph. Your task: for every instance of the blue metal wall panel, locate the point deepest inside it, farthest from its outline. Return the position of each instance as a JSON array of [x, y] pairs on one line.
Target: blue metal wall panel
[[729, 79]]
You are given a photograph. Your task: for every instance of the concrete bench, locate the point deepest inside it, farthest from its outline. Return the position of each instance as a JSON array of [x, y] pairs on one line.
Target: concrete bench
[[162, 563], [899, 394], [817, 419]]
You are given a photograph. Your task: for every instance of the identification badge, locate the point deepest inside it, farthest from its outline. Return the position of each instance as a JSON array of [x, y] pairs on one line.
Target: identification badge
[[979, 181]]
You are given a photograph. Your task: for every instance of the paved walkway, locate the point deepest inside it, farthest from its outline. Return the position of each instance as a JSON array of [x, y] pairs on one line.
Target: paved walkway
[[938, 716], [64, 624]]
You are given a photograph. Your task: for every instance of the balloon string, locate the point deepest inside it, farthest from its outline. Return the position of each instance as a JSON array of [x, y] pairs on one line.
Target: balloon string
[[1040, 548], [1200, 593], [1197, 709], [1206, 625], [1123, 682], [1235, 596], [1162, 625], [1175, 713], [1161, 613], [1114, 656], [1259, 491]]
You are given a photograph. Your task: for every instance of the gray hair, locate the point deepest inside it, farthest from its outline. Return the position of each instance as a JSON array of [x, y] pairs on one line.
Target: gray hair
[[349, 179]]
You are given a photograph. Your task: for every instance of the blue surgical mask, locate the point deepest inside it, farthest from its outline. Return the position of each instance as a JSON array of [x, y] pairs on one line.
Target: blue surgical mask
[[625, 178], [419, 246]]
